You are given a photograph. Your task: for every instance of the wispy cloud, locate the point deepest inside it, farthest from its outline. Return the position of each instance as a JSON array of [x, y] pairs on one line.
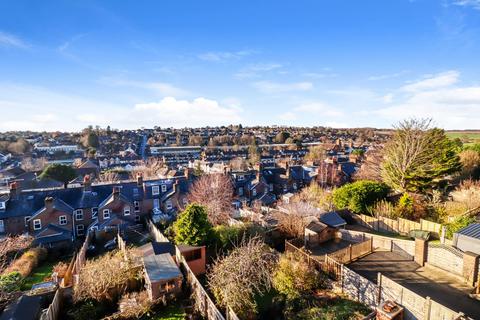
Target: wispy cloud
[[439, 80], [468, 3], [162, 88], [320, 75], [388, 75], [254, 70], [64, 46], [9, 40], [221, 56], [277, 87]]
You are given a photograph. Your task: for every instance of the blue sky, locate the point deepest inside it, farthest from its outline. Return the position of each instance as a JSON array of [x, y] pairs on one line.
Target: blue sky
[[68, 64]]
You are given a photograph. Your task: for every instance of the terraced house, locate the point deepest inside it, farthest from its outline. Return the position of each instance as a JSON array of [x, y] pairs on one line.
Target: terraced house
[[58, 217]]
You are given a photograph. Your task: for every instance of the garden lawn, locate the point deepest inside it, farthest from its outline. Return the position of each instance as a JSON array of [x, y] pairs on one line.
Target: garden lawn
[[39, 274], [171, 312]]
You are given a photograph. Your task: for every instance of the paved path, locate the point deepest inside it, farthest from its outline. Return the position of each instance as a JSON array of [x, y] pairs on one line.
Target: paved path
[[424, 281]]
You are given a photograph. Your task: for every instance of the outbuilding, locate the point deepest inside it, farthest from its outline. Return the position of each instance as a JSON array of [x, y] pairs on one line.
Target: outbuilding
[[163, 278], [468, 238]]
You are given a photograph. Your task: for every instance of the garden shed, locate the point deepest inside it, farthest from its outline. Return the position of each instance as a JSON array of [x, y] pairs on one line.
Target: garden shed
[[468, 238], [162, 276]]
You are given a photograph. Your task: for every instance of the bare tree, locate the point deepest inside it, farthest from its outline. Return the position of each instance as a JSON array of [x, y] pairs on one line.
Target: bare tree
[[244, 273], [215, 192], [12, 245], [371, 167], [150, 170], [31, 164], [294, 217]]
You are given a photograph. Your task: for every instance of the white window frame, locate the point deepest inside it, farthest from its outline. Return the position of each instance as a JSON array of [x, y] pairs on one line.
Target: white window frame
[[79, 212], [169, 204], [294, 186], [164, 188], [126, 211], [136, 206], [94, 212], [241, 177], [156, 203], [60, 220], [2, 205], [254, 192], [80, 229], [27, 219], [240, 191], [2, 226], [106, 213], [37, 224], [155, 190]]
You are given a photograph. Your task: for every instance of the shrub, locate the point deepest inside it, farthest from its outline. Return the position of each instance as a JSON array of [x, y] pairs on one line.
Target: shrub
[[108, 277], [457, 224], [359, 195], [193, 227], [87, 310], [28, 261], [133, 306], [10, 282], [294, 277]]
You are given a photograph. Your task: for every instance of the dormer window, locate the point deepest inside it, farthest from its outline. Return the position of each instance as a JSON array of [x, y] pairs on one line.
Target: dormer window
[[62, 220], [106, 214], [164, 188], [37, 224], [155, 190]]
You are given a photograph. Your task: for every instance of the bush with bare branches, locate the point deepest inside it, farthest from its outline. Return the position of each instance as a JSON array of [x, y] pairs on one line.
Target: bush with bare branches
[[108, 277], [12, 245], [27, 261], [467, 193], [244, 273], [316, 196], [294, 217], [215, 192], [132, 306]]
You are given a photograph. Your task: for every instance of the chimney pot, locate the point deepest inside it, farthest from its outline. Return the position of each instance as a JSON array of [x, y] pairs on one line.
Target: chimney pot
[[48, 202]]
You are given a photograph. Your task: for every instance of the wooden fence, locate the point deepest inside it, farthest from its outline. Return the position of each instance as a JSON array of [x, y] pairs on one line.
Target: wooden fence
[[399, 225], [53, 311], [353, 252], [155, 233], [77, 263]]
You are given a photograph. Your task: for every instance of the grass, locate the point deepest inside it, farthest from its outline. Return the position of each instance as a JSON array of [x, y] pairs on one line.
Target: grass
[[171, 312], [467, 137], [342, 309], [39, 274]]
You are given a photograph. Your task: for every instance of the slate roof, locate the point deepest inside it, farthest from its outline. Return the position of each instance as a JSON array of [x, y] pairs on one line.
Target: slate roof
[[60, 234], [25, 308], [472, 231], [332, 219], [316, 226], [161, 267]]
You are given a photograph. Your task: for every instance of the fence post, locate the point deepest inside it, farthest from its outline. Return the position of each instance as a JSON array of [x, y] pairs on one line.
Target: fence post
[[371, 244], [427, 308], [442, 236], [341, 277], [350, 251], [379, 285]]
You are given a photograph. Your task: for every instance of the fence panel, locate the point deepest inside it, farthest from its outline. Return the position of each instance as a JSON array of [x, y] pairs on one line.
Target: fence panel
[[413, 303], [405, 225], [440, 312], [359, 288], [156, 234], [53, 310], [387, 224]]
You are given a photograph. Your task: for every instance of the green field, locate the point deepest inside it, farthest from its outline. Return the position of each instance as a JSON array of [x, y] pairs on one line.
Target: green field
[[467, 137]]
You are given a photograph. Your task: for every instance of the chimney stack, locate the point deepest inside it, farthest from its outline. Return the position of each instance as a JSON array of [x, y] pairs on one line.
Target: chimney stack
[[87, 183], [116, 191], [139, 180], [13, 190], [48, 202]]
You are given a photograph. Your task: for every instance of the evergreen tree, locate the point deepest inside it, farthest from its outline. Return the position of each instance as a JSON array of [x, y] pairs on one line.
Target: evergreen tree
[[193, 227]]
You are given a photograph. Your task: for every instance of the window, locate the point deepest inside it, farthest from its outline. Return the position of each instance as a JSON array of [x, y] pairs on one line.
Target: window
[[126, 211], [185, 201], [37, 224], [79, 214], [155, 190], [2, 205], [270, 187], [241, 178], [106, 214], [254, 192], [240, 191], [156, 203], [164, 188], [294, 186], [80, 229], [136, 206], [137, 218], [27, 219], [62, 220], [94, 212], [169, 204], [2, 226]]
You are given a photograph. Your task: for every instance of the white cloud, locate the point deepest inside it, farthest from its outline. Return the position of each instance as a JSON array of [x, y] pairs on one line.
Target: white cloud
[[320, 75], [182, 113], [225, 55], [440, 80], [288, 116], [9, 40], [276, 87], [468, 3], [451, 107], [388, 75], [162, 88], [64, 46], [254, 70], [319, 109]]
